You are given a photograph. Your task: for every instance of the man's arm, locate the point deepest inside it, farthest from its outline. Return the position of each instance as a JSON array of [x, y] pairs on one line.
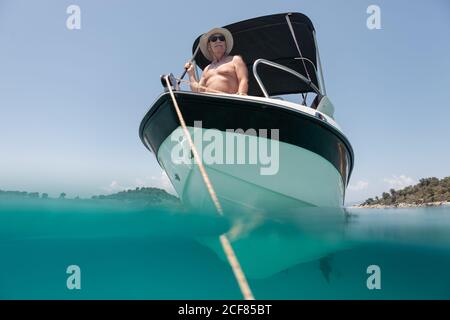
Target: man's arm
[[194, 84], [242, 74], [202, 82]]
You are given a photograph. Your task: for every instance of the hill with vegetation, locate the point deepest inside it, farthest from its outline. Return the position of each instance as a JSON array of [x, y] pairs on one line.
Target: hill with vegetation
[[150, 195], [147, 196], [428, 192]]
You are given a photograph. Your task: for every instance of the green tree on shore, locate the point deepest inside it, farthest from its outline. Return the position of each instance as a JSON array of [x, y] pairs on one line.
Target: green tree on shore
[[426, 191]]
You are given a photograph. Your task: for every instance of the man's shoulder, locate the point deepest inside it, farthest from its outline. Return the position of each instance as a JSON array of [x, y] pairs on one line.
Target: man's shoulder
[[238, 59]]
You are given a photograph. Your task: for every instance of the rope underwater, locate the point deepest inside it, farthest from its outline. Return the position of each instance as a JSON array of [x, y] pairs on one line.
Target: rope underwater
[[226, 246]]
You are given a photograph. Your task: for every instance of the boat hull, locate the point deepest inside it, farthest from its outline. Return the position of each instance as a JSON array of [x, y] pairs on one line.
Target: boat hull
[[300, 178], [311, 160]]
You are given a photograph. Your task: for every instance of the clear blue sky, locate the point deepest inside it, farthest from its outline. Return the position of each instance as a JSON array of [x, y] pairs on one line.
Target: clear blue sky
[[71, 101]]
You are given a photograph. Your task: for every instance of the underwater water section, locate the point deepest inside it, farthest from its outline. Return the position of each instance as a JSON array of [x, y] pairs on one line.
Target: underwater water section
[[128, 250]]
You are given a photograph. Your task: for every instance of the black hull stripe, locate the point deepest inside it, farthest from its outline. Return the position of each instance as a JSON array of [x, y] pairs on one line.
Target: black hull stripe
[[223, 113]]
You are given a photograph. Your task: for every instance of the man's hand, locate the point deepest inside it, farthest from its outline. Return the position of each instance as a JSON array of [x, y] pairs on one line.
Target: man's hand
[[189, 68]]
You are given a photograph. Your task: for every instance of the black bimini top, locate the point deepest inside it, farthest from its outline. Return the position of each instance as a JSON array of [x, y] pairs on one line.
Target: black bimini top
[[270, 38]]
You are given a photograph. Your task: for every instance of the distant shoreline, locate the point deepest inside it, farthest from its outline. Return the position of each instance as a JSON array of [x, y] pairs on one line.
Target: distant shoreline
[[402, 205], [429, 192]]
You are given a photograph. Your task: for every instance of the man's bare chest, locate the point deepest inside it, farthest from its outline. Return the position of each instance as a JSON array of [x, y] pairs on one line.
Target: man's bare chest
[[226, 69]]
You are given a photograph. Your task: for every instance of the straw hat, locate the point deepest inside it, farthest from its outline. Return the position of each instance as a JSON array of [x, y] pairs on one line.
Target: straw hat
[[205, 37]]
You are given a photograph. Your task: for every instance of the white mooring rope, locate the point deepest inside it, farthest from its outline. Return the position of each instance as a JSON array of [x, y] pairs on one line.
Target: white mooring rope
[[226, 246]]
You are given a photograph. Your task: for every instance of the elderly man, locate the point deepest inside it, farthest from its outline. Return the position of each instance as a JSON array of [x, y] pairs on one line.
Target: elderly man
[[225, 73]]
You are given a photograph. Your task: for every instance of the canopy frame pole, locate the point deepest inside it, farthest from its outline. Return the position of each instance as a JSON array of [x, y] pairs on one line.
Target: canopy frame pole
[[319, 62], [190, 61], [296, 43]]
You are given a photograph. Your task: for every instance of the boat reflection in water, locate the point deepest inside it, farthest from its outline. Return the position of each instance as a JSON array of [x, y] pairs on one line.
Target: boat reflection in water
[[132, 251], [272, 243]]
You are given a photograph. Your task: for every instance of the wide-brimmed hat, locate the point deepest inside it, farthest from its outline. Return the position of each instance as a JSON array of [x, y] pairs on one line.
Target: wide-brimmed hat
[[205, 38]]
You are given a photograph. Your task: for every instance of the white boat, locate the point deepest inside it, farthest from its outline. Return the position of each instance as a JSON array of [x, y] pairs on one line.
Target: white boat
[[302, 159]]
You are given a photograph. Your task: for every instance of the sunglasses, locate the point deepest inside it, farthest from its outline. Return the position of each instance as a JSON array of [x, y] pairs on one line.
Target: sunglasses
[[215, 38]]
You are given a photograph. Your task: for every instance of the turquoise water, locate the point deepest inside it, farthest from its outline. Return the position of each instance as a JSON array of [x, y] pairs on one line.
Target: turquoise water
[[129, 251]]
